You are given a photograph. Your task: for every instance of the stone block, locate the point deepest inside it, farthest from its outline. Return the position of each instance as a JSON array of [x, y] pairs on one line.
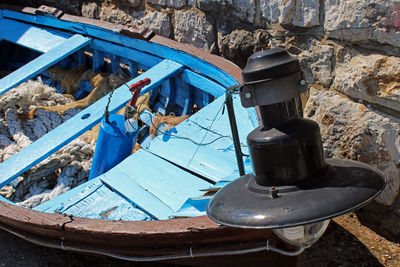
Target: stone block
[[374, 78], [193, 27], [351, 130]]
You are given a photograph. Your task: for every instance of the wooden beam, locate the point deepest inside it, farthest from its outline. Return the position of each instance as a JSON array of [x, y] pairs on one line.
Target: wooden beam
[[81, 122], [162, 51], [164, 193], [43, 62], [38, 39]]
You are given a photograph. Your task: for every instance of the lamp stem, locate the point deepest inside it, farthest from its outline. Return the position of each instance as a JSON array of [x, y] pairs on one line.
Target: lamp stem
[[232, 122]]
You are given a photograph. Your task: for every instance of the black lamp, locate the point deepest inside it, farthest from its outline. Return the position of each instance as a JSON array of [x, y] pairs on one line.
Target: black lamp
[[293, 189]]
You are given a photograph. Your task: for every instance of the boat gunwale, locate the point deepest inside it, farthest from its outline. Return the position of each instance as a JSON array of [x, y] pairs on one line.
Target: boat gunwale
[[180, 233]]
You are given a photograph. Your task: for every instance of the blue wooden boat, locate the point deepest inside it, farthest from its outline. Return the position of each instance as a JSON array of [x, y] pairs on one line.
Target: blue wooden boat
[[151, 206]]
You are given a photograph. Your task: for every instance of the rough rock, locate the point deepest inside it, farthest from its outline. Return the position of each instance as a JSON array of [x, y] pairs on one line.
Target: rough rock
[[240, 44], [119, 15], [90, 10], [168, 3], [67, 6], [133, 3], [245, 10], [373, 78], [214, 6], [363, 20], [316, 63], [193, 27], [306, 14], [114, 14], [157, 2], [280, 11], [354, 131], [159, 22], [302, 13]]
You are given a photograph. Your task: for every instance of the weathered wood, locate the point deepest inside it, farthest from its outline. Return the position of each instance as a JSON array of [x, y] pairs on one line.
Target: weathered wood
[[30, 36], [149, 47], [214, 158], [43, 62], [159, 190], [52, 205], [205, 85], [97, 201], [80, 123]]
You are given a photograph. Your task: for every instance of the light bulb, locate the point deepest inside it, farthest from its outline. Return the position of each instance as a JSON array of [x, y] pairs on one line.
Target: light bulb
[[303, 235]]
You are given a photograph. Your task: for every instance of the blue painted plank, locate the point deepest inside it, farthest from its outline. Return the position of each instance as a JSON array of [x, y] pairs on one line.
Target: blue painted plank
[[126, 52], [43, 62], [41, 40], [86, 119], [81, 57], [151, 48], [114, 63], [133, 68], [160, 100], [51, 205], [104, 204], [95, 200], [184, 91], [216, 160], [169, 87], [3, 199], [153, 183], [127, 187], [97, 61], [205, 85]]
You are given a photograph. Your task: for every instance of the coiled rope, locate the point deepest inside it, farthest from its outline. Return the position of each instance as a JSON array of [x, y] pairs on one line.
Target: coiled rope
[[63, 170]]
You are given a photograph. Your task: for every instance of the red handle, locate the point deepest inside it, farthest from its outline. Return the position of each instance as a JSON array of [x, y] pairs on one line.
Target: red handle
[[136, 88]]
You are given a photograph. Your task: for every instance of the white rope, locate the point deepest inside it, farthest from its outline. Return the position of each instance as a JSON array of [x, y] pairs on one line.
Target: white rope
[[55, 175], [15, 129]]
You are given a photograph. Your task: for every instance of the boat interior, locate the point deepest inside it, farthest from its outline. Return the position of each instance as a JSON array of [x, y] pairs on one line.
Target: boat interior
[[174, 174]]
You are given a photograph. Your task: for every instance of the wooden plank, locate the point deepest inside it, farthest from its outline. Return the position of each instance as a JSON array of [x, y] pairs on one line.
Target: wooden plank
[[38, 39], [102, 203], [114, 63], [126, 52], [153, 183], [81, 57], [97, 61], [127, 187], [133, 68], [43, 62], [215, 160], [84, 120], [186, 91], [3, 199], [94, 200], [151, 48], [205, 85], [170, 88], [53, 204]]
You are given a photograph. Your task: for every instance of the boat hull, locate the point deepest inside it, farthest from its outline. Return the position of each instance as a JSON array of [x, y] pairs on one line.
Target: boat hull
[[192, 241]]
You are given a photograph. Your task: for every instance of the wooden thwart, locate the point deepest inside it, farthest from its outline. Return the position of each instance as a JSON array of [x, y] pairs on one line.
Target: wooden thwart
[[38, 39], [43, 62], [86, 119]]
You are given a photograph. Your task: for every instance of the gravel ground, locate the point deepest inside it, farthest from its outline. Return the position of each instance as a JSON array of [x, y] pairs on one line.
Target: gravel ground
[[369, 237]]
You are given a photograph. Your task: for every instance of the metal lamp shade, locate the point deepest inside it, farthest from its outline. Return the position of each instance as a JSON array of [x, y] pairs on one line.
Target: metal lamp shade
[[346, 186], [293, 184]]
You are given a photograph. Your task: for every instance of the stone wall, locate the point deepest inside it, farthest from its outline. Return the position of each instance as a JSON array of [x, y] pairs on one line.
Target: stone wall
[[349, 51]]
